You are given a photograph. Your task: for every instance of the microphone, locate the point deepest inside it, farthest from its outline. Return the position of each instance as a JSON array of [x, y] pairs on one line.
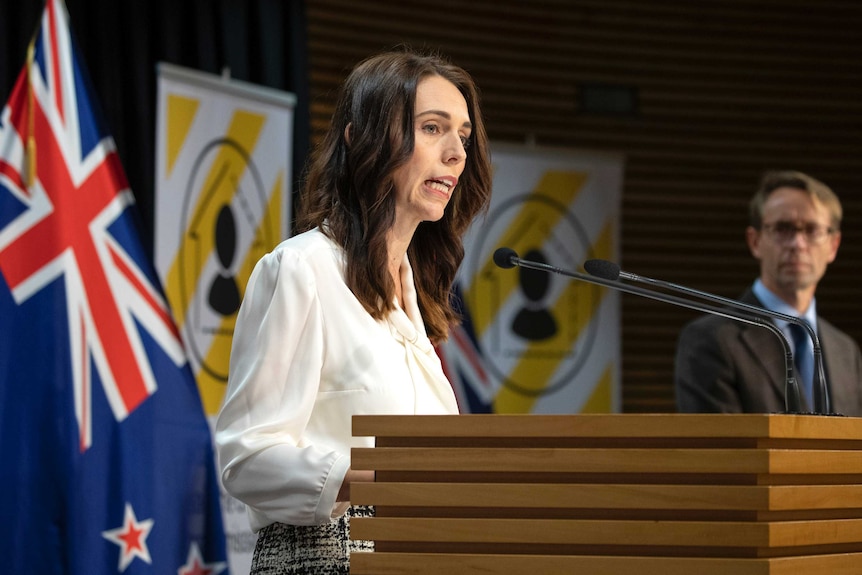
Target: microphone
[[822, 404], [508, 258]]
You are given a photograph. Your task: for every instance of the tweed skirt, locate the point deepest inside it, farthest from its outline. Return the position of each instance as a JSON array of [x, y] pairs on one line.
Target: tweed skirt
[[309, 549]]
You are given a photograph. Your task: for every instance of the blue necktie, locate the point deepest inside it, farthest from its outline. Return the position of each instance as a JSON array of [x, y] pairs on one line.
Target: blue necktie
[[804, 359]]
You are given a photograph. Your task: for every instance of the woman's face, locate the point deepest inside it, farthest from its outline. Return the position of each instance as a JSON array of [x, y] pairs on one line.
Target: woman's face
[[442, 130]]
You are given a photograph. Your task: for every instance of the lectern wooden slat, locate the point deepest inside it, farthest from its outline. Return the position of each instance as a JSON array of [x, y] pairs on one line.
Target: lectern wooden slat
[[610, 494]]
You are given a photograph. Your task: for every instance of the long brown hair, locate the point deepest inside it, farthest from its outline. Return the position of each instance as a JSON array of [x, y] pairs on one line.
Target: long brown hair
[[349, 190]]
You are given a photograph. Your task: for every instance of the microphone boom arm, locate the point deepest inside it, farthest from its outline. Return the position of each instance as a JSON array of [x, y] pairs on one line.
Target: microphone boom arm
[[507, 258], [821, 395]]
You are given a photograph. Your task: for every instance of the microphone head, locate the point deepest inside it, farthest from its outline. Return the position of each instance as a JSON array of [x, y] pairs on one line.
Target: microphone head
[[602, 269], [505, 258]]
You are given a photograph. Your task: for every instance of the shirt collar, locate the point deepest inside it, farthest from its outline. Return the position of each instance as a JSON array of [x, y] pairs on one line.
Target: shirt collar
[[773, 302]]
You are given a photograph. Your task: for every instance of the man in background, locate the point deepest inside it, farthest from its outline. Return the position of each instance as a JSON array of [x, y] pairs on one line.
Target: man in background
[[726, 366]]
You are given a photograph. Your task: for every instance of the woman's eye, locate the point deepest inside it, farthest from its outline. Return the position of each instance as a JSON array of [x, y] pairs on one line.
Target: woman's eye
[[465, 141], [431, 128]]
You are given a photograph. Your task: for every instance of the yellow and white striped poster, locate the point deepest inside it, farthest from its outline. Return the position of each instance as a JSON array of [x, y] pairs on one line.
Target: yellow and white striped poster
[[536, 342], [223, 199]]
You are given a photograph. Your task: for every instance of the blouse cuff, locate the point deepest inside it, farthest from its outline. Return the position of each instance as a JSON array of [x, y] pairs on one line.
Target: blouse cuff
[[327, 507]]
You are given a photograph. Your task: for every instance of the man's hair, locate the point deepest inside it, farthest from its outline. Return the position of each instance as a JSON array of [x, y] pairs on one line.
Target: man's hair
[[816, 189], [349, 189]]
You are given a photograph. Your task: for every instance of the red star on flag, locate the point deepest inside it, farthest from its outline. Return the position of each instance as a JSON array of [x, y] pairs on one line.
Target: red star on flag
[[131, 537], [195, 564]]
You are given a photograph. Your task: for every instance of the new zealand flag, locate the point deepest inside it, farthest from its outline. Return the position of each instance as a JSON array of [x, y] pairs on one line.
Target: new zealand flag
[[107, 459]]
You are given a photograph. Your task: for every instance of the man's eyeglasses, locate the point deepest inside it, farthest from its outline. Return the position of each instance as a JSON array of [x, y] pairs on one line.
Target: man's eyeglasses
[[785, 232]]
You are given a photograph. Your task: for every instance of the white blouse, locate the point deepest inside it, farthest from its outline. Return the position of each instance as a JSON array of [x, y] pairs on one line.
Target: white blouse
[[305, 358]]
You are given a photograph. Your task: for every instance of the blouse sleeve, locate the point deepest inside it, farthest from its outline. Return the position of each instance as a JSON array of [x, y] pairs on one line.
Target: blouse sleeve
[[275, 366]]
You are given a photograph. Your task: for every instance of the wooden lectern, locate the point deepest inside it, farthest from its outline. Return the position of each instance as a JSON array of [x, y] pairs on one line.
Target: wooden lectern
[[610, 494]]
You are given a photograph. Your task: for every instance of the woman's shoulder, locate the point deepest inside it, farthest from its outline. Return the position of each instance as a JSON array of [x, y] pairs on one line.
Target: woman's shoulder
[[306, 244], [312, 248]]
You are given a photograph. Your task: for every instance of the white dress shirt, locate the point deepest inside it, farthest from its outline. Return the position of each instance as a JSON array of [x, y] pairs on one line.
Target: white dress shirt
[[305, 358]]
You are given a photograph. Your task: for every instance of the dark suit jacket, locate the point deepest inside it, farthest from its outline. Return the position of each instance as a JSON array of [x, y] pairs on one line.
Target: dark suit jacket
[[726, 366]]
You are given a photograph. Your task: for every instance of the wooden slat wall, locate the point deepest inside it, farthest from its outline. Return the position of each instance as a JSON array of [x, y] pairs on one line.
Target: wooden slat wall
[[726, 89]]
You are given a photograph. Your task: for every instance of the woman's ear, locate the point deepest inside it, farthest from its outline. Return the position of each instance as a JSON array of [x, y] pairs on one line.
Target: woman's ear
[[347, 133]]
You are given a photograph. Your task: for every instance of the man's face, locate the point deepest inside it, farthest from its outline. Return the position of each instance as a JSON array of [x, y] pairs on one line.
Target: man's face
[[795, 242]]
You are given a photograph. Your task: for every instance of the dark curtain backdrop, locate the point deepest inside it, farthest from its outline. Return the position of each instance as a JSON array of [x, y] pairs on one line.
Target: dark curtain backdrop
[[259, 41]]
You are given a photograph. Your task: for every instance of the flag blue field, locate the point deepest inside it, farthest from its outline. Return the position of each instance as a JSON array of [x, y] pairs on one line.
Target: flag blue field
[[108, 461]]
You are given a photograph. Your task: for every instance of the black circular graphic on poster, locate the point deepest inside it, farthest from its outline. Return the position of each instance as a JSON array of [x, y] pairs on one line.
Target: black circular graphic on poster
[[207, 219], [565, 245]]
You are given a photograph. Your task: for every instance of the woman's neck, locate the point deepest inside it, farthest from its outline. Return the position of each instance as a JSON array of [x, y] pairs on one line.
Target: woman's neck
[[398, 241]]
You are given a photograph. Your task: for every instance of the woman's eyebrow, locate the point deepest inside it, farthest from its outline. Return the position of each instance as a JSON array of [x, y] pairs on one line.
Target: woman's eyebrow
[[444, 114]]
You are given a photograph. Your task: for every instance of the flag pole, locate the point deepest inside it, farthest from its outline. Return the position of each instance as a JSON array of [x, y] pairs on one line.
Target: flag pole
[[31, 117]]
